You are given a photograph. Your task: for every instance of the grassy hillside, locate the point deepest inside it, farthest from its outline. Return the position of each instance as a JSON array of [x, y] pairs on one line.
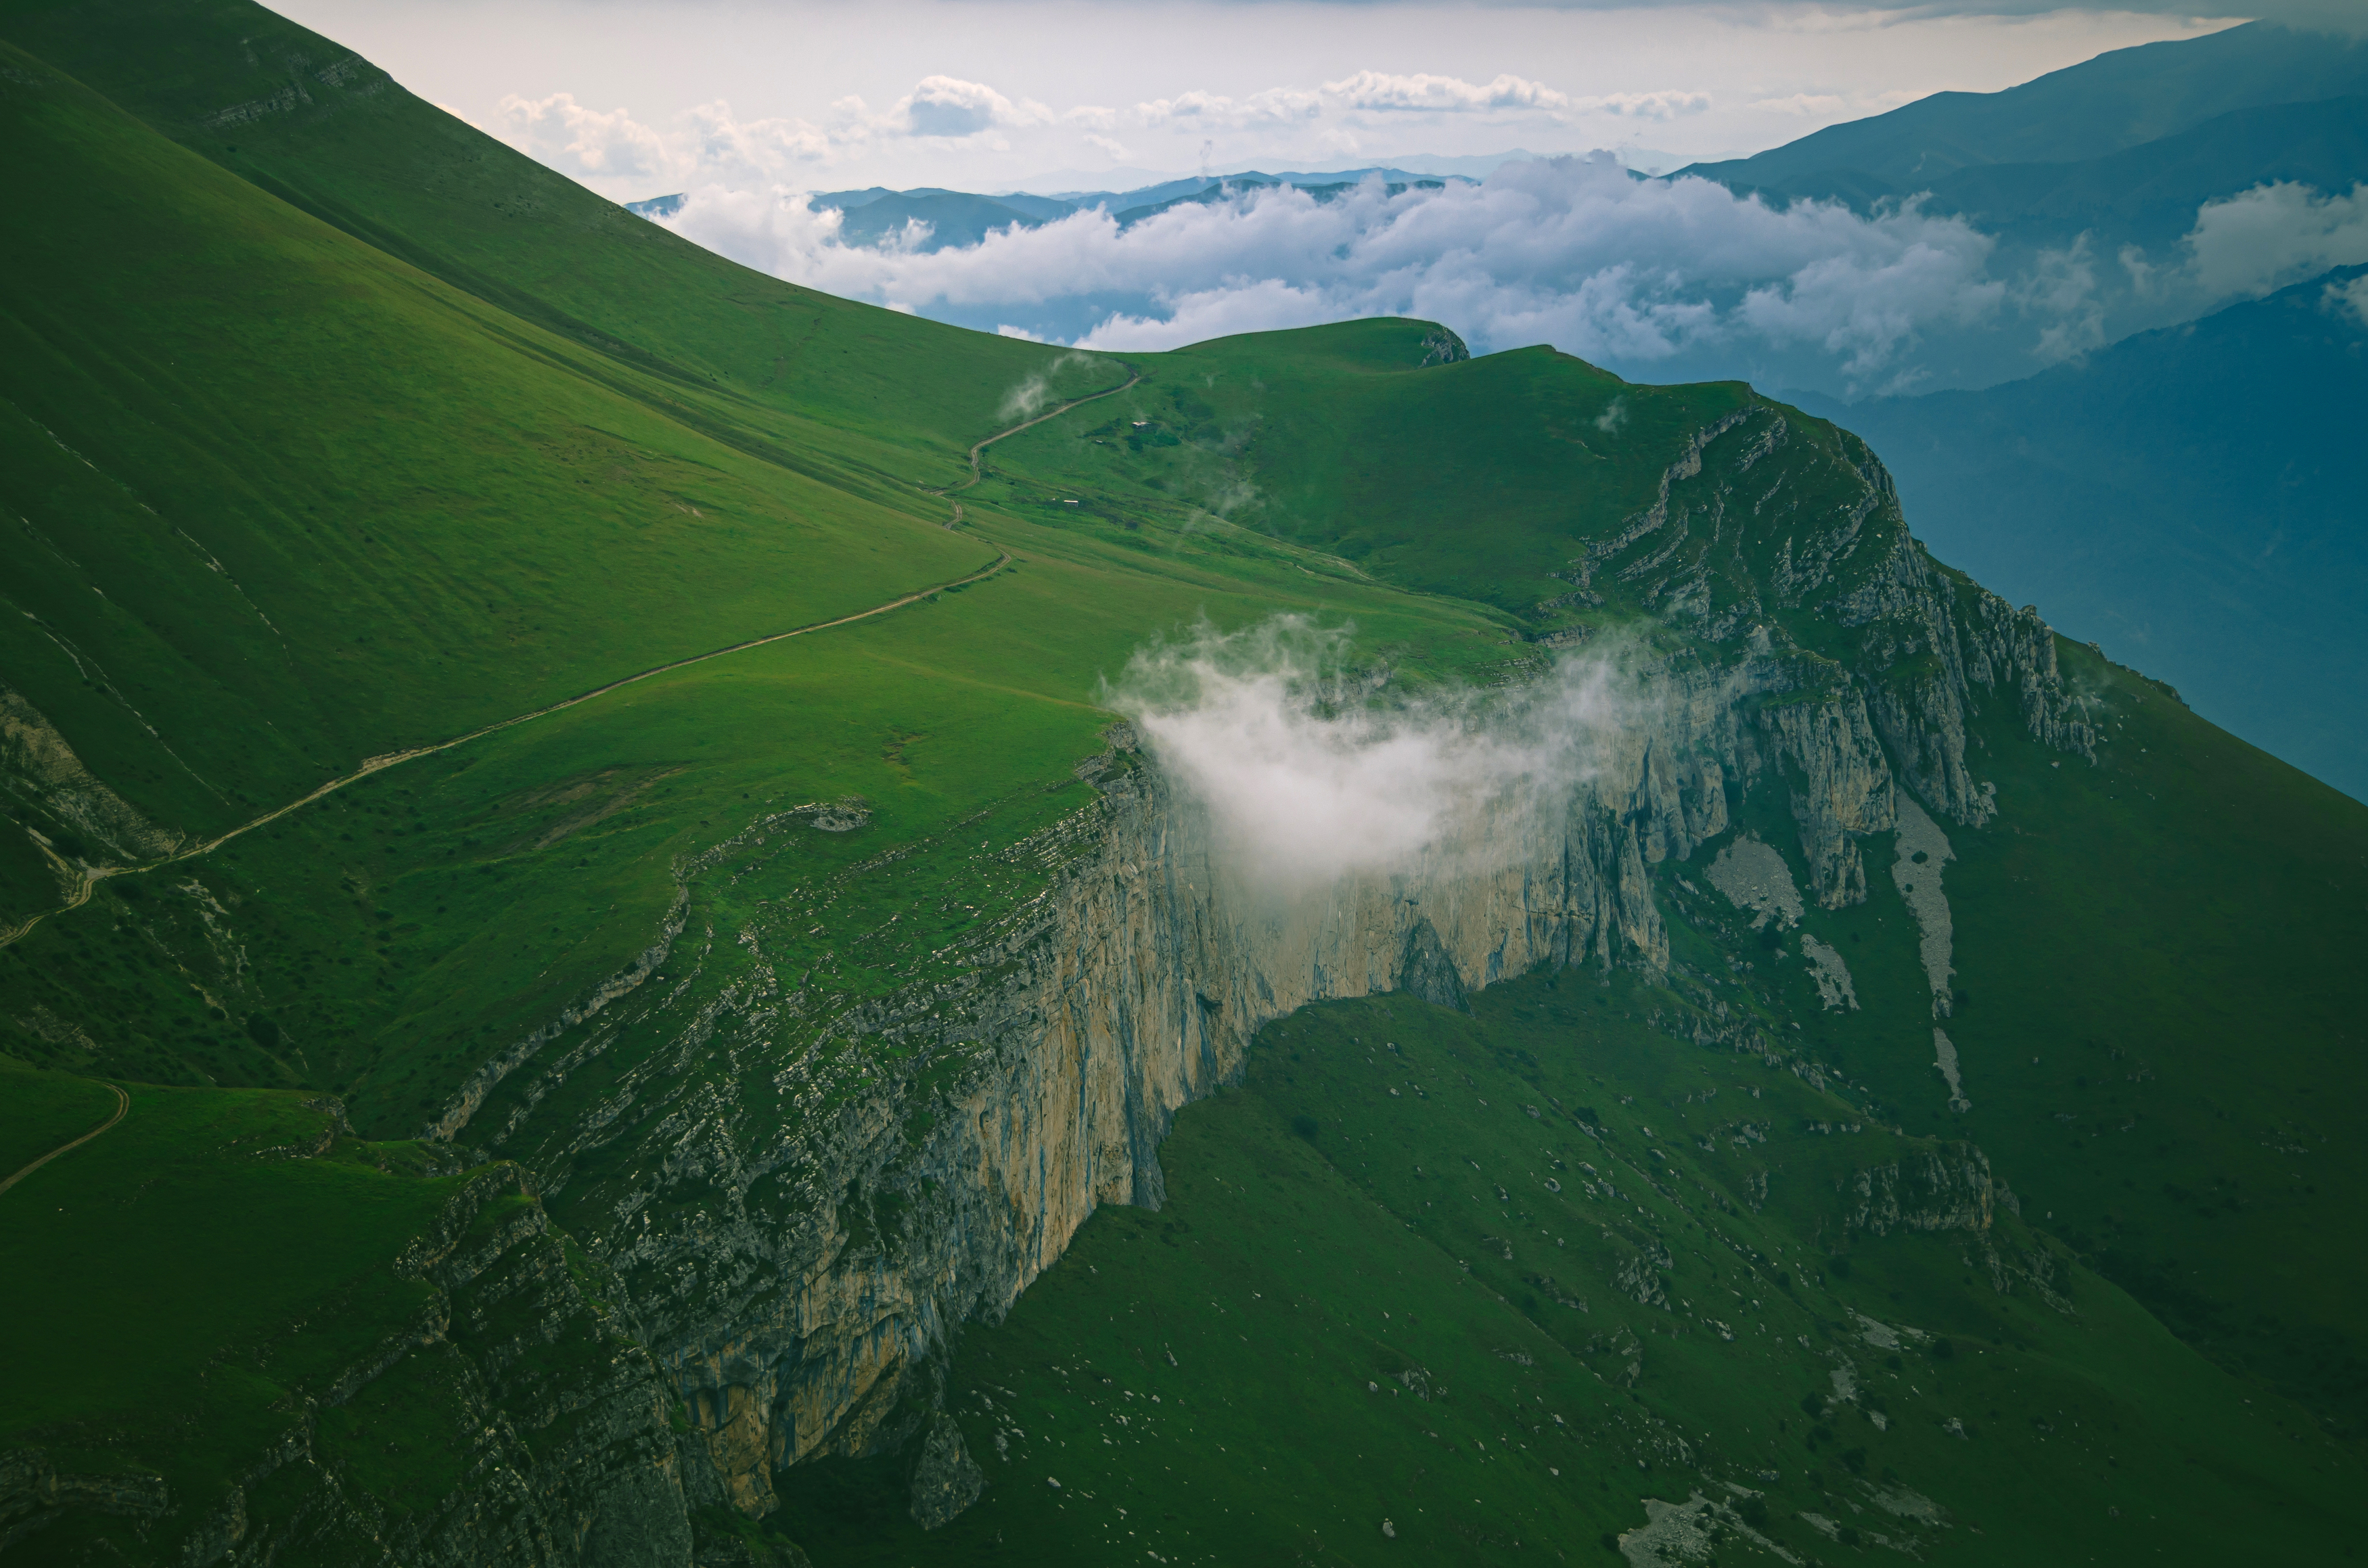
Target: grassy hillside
[[815, 382], [336, 429], [1562, 1264], [154, 1268], [284, 501]]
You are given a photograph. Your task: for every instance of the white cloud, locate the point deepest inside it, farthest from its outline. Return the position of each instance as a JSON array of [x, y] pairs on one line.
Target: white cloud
[[1648, 105], [563, 132], [710, 143], [758, 148], [2352, 295], [2062, 290], [1274, 106], [1423, 92], [1505, 97], [2273, 235], [952, 108], [1572, 252], [1300, 792]]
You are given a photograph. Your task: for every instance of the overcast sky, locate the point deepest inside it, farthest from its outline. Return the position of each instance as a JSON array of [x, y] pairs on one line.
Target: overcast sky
[[637, 99]]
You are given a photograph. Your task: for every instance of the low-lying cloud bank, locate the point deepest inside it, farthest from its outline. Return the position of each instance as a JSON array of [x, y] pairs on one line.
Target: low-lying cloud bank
[[1305, 783], [1659, 280]]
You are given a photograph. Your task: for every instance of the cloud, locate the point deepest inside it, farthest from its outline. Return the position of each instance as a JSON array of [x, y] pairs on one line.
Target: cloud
[[1274, 106], [2352, 295], [1658, 279], [1425, 93], [2273, 235], [1647, 106], [1033, 394], [559, 131], [710, 143], [945, 116], [717, 140], [952, 108], [1306, 779], [1637, 274]]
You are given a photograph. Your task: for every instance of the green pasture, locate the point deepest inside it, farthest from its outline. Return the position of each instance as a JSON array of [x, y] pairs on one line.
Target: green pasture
[[1321, 1331], [178, 1286]]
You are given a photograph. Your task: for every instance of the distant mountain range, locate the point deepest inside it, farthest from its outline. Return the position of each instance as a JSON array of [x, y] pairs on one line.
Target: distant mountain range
[[954, 218]]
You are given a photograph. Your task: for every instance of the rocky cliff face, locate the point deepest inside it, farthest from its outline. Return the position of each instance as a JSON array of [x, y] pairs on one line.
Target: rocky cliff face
[[802, 1290], [804, 1195]]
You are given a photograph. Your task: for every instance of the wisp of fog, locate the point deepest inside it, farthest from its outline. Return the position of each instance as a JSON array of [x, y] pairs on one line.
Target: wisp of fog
[[1307, 776]]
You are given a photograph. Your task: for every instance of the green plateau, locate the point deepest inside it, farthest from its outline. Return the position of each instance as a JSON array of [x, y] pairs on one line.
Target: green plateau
[[574, 798]]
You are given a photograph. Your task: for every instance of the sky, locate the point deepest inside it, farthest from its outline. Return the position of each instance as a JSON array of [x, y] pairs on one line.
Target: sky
[[636, 98]]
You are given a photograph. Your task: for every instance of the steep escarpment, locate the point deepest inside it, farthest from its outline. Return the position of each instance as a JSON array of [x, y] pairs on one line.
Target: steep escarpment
[[805, 1190]]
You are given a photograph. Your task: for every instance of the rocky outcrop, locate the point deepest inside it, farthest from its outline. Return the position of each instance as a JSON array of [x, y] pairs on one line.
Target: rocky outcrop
[[1440, 346], [946, 1480], [88, 823], [1947, 1190]]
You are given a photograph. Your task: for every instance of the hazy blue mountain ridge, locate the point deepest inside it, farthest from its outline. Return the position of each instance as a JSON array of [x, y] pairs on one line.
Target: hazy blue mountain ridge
[[2118, 100], [2148, 194], [2194, 499]]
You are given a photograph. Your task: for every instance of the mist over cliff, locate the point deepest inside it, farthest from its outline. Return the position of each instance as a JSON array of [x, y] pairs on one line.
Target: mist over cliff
[[1307, 775]]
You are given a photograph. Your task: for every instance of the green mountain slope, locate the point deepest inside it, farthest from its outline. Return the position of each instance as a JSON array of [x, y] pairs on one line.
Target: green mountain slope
[[1560, 1265], [588, 1141], [286, 503], [758, 362]]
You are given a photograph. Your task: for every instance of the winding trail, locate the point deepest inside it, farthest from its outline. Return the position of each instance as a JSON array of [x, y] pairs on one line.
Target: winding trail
[[122, 1104], [86, 879], [979, 450]]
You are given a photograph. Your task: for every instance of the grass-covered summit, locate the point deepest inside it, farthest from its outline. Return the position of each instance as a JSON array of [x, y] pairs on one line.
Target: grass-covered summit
[[721, 1117]]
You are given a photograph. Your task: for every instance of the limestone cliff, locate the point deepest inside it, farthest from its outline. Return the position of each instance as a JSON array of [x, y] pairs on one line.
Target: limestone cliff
[[805, 1194]]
